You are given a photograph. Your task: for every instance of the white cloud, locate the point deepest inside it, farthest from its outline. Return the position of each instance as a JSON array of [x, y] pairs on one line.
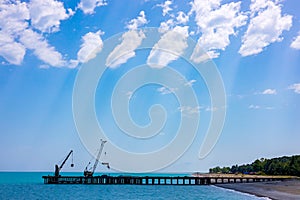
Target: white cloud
[[17, 36], [257, 5], [88, 6], [169, 24], [189, 110], [126, 50], [170, 46], [46, 15], [217, 23], [182, 18], [41, 48], [190, 83], [131, 40], [266, 26], [166, 26], [254, 106], [91, 45], [295, 87], [14, 17], [138, 22], [211, 109], [199, 55], [72, 63], [71, 12], [269, 91], [165, 90], [166, 7], [296, 42], [10, 50]]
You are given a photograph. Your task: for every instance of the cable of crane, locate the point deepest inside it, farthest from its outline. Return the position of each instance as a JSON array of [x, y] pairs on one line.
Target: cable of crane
[[72, 164]]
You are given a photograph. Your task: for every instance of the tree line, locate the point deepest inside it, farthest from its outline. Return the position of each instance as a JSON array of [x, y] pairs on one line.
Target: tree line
[[286, 165]]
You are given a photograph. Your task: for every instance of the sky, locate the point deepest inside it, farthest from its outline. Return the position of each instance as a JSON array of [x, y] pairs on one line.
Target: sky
[[45, 47]]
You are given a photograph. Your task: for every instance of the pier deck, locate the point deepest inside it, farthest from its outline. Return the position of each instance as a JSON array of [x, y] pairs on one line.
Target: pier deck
[[153, 180]]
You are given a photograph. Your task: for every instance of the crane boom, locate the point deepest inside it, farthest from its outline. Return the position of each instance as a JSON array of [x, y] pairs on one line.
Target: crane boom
[[90, 173], [98, 156], [63, 163], [58, 168]]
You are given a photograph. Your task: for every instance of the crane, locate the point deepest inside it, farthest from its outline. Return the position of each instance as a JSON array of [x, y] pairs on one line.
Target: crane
[[58, 168], [89, 173]]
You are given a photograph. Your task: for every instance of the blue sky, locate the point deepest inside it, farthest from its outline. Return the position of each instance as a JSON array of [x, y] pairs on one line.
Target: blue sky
[[44, 45]]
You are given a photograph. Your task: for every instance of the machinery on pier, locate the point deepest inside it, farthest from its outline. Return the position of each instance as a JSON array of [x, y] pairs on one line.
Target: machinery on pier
[[58, 168], [90, 172]]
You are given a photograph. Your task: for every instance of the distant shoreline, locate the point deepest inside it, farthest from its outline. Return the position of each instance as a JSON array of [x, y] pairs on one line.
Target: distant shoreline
[[197, 174], [288, 189]]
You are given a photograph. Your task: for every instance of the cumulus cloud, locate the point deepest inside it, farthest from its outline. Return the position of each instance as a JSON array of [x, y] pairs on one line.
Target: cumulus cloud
[[170, 46], [46, 15], [295, 87], [14, 17], [137, 22], [91, 45], [131, 40], [173, 21], [166, 25], [41, 48], [126, 50], [266, 26], [17, 35], [88, 6], [182, 18], [296, 42], [166, 7], [200, 55], [217, 23], [269, 91], [10, 50]]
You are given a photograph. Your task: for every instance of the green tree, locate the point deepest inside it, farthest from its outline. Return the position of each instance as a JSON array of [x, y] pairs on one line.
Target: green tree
[[276, 166]]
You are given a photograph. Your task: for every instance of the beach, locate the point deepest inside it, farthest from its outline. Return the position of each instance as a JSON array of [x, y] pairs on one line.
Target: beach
[[287, 190]]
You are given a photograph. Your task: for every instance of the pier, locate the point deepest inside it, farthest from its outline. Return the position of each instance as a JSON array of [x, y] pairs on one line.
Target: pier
[[154, 180]]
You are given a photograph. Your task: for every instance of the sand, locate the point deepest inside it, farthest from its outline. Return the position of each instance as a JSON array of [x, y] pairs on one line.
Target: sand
[[281, 190]]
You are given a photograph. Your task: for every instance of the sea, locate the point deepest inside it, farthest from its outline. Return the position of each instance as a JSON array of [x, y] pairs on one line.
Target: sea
[[30, 185]]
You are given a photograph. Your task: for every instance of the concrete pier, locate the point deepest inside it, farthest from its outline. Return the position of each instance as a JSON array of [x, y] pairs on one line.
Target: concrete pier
[[153, 180]]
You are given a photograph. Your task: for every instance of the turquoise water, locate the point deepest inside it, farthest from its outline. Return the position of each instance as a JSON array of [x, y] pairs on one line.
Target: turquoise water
[[29, 185]]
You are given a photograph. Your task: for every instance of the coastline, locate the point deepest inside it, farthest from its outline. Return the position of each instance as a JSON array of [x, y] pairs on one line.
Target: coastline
[[288, 190]]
